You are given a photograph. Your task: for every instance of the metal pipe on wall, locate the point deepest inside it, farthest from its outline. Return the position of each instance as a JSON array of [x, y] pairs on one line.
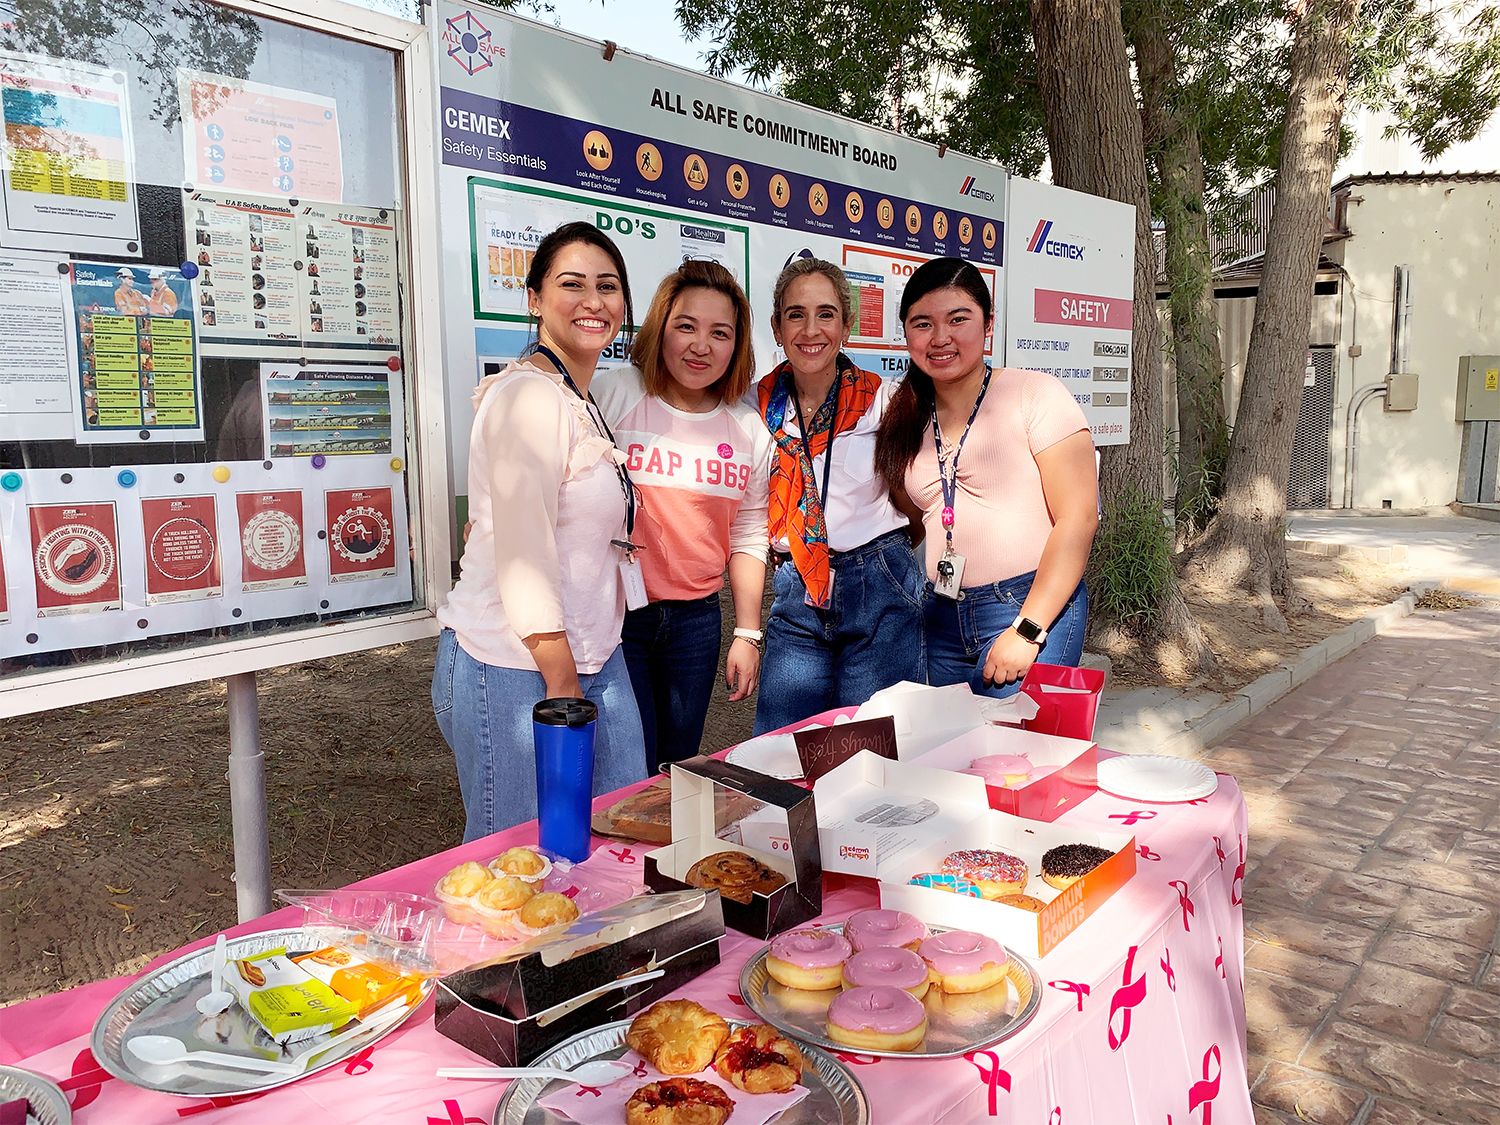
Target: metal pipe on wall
[[1351, 437], [247, 800]]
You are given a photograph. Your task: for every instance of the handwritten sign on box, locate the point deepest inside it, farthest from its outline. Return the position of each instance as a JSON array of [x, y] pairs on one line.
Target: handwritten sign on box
[[827, 748]]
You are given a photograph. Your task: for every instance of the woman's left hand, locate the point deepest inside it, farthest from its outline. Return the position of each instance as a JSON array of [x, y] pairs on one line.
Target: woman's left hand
[[1009, 658], [741, 669]]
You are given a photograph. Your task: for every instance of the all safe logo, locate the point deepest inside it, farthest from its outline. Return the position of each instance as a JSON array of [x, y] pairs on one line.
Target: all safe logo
[[469, 44]]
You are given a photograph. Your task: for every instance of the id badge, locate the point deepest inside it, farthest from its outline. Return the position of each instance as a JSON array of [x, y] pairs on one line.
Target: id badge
[[634, 582], [807, 598], [950, 576]]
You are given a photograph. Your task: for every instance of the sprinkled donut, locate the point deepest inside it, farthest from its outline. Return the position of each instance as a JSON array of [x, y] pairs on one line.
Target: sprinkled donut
[[945, 881], [995, 872]]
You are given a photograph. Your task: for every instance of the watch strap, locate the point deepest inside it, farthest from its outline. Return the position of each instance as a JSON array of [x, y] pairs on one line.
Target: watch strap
[[1030, 631]]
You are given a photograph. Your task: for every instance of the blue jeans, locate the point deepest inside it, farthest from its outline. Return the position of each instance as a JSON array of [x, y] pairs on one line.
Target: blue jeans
[[959, 633], [868, 638], [672, 651], [484, 713]]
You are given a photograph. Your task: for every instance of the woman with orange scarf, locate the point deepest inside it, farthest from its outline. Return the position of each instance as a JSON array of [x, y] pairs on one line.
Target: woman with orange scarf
[[847, 619]]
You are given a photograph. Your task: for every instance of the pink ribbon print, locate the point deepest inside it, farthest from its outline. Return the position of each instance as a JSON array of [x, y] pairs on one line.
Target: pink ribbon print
[[1078, 988], [1237, 884], [1219, 960], [1055, 1117], [87, 1077], [1124, 999], [856, 1060], [1182, 897], [360, 1063], [1147, 853], [1166, 968], [994, 1077], [1219, 851], [623, 855], [1133, 815], [1203, 1093], [455, 1116], [224, 1102]]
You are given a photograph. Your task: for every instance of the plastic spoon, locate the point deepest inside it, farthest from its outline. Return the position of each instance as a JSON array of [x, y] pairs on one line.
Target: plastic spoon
[[164, 1050], [218, 999], [377, 1020], [599, 1073]]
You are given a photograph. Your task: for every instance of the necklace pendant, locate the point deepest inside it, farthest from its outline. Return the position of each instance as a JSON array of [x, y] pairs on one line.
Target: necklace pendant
[[947, 515]]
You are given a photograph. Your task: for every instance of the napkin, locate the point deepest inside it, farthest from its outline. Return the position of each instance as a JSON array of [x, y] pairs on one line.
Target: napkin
[[605, 1105]]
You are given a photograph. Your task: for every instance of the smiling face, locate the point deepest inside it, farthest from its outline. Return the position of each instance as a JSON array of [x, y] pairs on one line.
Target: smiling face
[[581, 305], [698, 343], [945, 334], [811, 327]]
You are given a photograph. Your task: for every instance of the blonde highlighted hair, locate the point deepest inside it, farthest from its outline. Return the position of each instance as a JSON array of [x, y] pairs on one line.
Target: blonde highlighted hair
[[646, 354]]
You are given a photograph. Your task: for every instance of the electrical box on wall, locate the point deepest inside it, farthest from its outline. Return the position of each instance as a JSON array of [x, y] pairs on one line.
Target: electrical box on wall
[[1400, 392], [1478, 397]]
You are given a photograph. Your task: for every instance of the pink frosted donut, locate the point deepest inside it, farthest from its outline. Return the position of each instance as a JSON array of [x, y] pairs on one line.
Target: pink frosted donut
[[995, 872], [887, 967], [1002, 769], [877, 1019], [809, 959], [1039, 772], [870, 929], [964, 961]]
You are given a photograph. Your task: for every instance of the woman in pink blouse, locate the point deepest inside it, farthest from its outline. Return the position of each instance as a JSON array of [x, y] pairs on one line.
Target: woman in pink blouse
[[536, 613], [1001, 465]]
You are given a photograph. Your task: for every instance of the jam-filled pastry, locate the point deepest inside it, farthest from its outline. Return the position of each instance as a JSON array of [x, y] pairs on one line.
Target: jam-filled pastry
[[734, 875], [759, 1060], [677, 1036], [679, 1101]]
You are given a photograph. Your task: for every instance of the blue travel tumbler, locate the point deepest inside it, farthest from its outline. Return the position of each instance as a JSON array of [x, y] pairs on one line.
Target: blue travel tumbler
[[563, 731]]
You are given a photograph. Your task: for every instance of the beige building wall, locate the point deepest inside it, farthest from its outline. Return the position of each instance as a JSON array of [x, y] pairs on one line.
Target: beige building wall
[[1448, 232]]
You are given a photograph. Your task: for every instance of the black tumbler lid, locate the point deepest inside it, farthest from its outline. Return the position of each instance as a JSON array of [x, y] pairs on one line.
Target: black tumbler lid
[[565, 712]]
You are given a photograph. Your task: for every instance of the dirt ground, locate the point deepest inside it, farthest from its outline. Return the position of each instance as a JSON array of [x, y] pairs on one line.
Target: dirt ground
[[115, 836]]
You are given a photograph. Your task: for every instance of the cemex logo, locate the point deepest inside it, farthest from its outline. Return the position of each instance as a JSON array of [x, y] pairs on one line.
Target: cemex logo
[[970, 189], [1041, 243], [469, 44]]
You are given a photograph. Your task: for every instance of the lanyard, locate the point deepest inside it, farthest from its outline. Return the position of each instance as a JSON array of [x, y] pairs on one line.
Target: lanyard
[[949, 476], [598, 416], [833, 427]]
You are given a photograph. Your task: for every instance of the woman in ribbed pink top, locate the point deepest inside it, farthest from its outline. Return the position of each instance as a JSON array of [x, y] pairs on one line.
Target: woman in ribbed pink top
[[1006, 484]]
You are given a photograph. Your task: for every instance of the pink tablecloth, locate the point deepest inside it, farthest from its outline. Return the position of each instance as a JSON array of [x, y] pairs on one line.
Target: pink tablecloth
[[1142, 1019]]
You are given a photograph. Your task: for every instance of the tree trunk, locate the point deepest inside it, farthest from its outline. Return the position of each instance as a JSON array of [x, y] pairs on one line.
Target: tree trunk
[[1095, 143], [1172, 141], [1245, 545]]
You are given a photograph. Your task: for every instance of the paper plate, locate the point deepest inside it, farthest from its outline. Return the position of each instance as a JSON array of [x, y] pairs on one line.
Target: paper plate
[[772, 754], [1156, 777]]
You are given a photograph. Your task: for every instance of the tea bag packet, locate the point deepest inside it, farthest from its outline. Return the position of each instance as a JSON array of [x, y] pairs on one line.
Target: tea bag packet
[[284, 998]]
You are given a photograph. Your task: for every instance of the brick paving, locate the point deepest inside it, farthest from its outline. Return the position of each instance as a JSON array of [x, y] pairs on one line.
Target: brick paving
[[1372, 899]]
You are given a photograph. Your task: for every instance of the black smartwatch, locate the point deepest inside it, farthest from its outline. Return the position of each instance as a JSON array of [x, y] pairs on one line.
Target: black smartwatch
[[1029, 630]]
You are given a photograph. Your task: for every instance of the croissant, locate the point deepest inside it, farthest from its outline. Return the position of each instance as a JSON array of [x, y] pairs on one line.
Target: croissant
[[677, 1036]]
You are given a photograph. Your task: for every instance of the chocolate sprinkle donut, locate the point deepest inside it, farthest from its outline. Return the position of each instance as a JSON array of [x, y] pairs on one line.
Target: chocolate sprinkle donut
[[1072, 861]]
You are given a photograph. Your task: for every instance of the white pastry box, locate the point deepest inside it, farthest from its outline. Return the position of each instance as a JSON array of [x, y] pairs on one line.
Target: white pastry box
[[893, 820], [1073, 780], [924, 716]]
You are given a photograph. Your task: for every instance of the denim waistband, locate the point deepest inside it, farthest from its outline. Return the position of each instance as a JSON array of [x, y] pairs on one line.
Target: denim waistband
[[873, 547], [1003, 588]]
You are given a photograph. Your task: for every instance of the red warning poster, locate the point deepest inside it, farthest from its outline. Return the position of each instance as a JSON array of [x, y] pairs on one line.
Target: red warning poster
[[182, 549], [76, 558], [271, 540], [361, 534]]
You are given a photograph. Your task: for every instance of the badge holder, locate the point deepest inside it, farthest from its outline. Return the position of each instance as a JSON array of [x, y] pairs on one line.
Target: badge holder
[[950, 576], [631, 576]]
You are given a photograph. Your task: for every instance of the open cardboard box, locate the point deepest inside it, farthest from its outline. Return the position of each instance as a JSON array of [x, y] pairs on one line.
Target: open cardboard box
[[924, 716], [873, 811], [938, 812], [1032, 934], [1044, 799], [778, 827]]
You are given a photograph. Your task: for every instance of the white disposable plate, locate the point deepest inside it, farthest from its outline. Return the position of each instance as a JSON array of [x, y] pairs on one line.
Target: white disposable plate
[[772, 754], [1156, 777]]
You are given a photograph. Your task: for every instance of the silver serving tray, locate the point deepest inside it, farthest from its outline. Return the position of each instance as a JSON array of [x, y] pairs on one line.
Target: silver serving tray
[[165, 1003], [956, 1024], [835, 1096], [49, 1104]]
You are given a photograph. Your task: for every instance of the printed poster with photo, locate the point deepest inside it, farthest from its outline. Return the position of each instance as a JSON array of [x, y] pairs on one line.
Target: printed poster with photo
[[76, 558], [271, 543], [361, 534], [182, 549], [246, 253]]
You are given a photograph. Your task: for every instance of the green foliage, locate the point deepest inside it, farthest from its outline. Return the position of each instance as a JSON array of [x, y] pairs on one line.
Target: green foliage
[[1130, 571]]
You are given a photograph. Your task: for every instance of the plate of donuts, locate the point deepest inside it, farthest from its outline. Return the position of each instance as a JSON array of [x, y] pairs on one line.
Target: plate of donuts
[[833, 1095], [884, 983]]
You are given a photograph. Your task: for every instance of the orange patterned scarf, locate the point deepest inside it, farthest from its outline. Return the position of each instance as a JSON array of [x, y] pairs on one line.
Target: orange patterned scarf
[[796, 511]]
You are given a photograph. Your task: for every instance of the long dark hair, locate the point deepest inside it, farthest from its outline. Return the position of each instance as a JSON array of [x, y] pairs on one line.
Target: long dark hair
[[905, 422], [567, 234]]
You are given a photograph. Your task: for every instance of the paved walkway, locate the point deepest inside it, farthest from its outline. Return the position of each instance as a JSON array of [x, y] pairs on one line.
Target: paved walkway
[[1373, 895], [1437, 546]]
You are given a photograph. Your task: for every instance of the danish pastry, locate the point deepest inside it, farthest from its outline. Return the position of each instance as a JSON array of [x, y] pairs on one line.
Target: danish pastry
[[759, 1060], [734, 875], [677, 1036], [679, 1101]]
